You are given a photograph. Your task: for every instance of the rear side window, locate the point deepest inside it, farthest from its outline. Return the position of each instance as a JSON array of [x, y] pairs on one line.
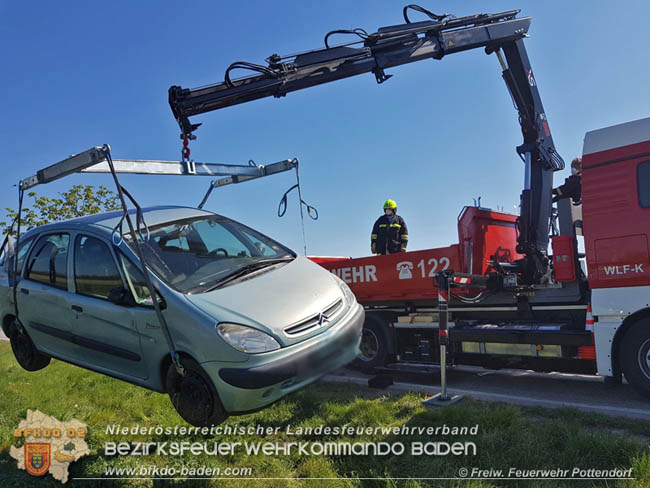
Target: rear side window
[[48, 262], [95, 271], [22, 253], [643, 177]]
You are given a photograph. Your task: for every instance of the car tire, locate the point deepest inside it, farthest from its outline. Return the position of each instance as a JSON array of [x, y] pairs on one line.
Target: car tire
[[635, 356], [194, 396], [373, 346], [24, 350]]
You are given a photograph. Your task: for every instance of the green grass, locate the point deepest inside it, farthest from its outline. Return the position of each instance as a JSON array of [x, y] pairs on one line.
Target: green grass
[[509, 436]]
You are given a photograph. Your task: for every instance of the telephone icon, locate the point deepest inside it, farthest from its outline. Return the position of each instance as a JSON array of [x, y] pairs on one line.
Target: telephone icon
[[404, 268]]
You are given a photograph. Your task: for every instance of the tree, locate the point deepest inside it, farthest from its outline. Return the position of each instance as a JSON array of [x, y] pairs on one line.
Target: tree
[[80, 200]]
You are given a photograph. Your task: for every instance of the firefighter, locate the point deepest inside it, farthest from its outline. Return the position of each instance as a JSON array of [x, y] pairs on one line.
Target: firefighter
[[572, 187], [389, 234]]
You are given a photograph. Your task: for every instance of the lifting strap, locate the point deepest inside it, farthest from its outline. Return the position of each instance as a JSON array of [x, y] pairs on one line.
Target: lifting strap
[[132, 230], [311, 211], [21, 194]]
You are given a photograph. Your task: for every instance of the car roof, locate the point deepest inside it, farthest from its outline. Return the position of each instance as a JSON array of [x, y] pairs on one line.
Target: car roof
[[108, 220]]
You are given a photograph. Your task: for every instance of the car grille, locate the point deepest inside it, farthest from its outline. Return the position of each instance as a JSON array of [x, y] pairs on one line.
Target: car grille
[[323, 319]]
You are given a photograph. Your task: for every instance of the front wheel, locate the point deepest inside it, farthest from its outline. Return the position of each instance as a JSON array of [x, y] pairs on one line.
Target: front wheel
[[194, 396], [24, 350], [635, 357]]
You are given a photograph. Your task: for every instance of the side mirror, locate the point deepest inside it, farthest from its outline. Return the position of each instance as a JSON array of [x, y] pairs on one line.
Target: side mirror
[[121, 296]]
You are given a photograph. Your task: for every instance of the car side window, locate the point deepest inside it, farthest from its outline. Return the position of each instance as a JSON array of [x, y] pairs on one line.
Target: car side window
[[8, 263], [48, 262], [95, 271]]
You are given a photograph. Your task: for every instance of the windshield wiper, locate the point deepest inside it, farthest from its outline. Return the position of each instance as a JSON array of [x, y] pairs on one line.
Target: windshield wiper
[[238, 273]]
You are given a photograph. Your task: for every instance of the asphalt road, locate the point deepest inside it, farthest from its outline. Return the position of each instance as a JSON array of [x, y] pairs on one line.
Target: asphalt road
[[550, 390]]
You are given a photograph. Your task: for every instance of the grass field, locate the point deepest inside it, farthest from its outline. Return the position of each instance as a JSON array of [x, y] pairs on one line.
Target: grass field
[[508, 436]]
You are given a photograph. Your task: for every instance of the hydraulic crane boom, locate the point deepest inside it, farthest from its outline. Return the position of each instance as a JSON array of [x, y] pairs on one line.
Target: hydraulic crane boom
[[401, 44]]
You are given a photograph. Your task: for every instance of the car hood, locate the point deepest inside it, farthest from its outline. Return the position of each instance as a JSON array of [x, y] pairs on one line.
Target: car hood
[[274, 298]]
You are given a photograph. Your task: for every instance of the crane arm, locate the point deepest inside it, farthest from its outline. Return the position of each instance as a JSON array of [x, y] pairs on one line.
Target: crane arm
[[400, 44], [388, 47]]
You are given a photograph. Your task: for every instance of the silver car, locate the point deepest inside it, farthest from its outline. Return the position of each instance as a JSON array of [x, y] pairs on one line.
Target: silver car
[[252, 321]]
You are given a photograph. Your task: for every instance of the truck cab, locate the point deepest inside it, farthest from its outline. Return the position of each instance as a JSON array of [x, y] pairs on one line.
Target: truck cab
[[616, 222]]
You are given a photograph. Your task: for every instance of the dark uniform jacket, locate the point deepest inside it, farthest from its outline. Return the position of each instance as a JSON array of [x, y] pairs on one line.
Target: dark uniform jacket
[[388, 237], [572, 188]]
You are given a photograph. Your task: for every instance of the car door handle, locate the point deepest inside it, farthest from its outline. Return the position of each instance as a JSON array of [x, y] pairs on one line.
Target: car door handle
[[77, 308], [25, 291]]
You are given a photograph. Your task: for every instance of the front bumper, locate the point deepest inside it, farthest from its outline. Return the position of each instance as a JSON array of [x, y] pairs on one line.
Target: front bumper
[[246, 389]]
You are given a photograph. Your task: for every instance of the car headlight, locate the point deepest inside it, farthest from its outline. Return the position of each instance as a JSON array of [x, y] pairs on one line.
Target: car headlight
[[347, 293], [247, 339]]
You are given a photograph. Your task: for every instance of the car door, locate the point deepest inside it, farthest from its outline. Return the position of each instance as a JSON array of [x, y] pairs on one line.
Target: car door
[[106, 333], [43, 297]]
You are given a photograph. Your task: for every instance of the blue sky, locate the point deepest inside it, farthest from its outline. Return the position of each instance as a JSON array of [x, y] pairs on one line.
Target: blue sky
[[436, 135]]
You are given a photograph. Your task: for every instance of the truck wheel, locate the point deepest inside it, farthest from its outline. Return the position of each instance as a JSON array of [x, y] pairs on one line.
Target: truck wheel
[[194, 396], [635, 357], [374, 344], [24, 351]]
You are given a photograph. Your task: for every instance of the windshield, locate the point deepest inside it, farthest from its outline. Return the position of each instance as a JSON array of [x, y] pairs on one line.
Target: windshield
[[193, 255]]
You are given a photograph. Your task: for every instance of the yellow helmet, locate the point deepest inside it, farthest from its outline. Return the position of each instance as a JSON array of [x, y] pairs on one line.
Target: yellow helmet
[[390, 204]]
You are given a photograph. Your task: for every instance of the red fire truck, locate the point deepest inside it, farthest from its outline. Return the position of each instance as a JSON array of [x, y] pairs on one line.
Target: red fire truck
[[515, 302], [544, 332]]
